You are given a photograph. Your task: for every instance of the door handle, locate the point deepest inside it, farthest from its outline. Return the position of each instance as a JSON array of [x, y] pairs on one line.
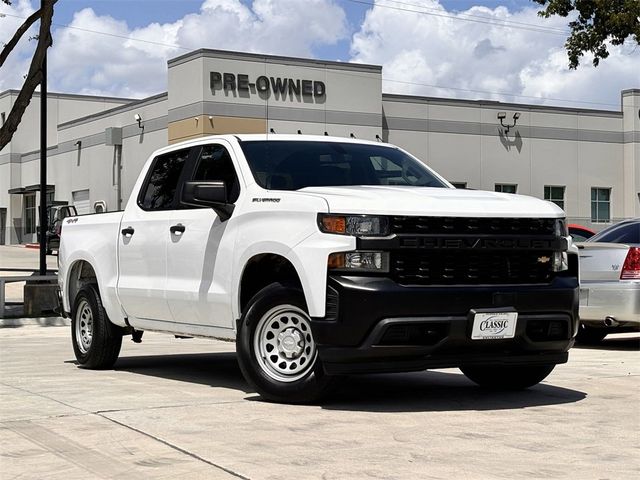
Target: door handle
[[127, 232], [177, 229]]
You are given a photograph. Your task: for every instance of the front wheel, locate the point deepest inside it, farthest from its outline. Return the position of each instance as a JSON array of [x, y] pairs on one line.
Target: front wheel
[[96, 341], [500, 377], [276, 349]]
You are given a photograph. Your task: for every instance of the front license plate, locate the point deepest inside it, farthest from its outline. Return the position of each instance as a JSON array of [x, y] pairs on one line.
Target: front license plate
[[494, 326]]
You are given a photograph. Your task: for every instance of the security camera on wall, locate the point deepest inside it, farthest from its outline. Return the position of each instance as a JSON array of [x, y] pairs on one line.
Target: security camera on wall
[[137, 117]]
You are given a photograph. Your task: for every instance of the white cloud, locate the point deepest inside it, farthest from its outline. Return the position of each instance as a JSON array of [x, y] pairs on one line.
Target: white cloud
[[463, 58], [469, 58], [132, 62]]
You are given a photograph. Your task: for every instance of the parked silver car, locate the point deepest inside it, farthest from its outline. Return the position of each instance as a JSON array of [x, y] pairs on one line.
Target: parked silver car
[[610, 282]]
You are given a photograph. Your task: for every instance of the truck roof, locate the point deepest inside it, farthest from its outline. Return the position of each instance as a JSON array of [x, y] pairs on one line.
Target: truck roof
[[270, 137]]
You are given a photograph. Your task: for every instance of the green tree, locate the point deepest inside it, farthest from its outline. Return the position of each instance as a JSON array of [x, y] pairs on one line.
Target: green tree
[[34, 75], [597, 22]]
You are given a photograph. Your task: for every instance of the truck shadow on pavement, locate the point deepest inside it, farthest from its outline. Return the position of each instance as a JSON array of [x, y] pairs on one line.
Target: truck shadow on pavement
[[615, 343], [400, 392], [214, 369], [436, 391]]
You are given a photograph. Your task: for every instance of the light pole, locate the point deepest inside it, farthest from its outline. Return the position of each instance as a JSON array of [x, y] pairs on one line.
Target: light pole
[[43, 165]]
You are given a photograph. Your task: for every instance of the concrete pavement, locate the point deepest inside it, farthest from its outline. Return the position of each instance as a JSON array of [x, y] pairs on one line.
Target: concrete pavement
[[180, 408]]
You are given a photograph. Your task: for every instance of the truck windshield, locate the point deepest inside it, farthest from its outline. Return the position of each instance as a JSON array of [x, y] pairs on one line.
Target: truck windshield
[[292, 165]]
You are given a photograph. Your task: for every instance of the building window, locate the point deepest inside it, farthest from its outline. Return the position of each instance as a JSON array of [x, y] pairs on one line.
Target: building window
[[506, 187], [554, 194], [459, 184], [30, 213], [600, 205]]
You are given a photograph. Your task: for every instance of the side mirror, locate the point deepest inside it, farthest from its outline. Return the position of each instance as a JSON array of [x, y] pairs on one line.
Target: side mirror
[[208, 194]]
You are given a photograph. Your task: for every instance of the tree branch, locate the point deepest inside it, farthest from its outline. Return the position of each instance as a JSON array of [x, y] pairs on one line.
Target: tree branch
[[34, 77], [8, 48]]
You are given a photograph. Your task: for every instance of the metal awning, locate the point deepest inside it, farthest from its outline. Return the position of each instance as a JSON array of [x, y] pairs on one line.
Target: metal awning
[[30, 189]]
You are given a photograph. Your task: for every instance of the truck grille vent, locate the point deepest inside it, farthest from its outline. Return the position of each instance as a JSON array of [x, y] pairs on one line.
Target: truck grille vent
[[415, 334], [470, 226], [464, 267], [332, 304]]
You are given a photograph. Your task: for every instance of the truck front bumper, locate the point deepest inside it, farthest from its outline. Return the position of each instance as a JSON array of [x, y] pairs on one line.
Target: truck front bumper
[[375, 325]]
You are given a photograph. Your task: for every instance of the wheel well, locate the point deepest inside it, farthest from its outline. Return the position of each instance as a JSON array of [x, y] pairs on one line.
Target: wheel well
[[263, 270], [82, 273]]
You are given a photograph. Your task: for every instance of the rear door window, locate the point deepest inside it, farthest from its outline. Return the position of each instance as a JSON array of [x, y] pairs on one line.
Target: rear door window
[[160, 188]]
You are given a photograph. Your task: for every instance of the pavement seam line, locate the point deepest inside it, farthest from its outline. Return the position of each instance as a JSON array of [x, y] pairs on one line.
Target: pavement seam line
[[159, 407], [175, 447], [47, 397]]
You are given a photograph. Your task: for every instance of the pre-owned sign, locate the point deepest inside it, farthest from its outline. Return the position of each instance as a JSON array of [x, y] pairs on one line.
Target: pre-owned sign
[[283, 86]]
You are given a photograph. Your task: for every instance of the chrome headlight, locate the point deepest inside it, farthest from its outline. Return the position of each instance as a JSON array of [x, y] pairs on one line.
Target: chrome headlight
[[560, 228], [355, 225], [359, 261]]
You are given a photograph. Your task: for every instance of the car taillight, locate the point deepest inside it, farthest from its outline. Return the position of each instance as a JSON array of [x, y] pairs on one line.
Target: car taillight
[[631, 267]]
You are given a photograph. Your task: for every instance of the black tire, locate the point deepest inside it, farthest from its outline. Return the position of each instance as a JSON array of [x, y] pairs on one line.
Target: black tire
[[314, 382], [102, 349], [501, 377], [590, 335]]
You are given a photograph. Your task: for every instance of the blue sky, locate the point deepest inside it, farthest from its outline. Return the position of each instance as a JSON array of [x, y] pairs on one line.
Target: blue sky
[[139, 13], [436, 48]]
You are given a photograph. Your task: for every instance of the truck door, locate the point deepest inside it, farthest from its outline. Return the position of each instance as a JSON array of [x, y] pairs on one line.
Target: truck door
[[199, 252], [143, 240]]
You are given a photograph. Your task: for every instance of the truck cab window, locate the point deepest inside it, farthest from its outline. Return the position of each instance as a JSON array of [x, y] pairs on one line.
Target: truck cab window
[[215, 165], [161, 185]]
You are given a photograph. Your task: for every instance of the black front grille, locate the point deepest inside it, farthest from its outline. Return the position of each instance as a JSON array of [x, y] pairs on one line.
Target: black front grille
[[472, 226], [471, 267], [415, 334]]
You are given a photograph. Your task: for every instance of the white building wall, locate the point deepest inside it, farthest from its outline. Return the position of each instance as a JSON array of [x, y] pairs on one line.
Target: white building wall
[[463, 140], [574, 148]]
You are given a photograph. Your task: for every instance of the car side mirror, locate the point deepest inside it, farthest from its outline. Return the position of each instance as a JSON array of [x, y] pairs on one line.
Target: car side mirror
[[208, 194]]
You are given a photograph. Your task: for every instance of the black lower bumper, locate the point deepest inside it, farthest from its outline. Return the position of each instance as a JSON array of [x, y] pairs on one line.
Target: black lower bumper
[[375, 325]]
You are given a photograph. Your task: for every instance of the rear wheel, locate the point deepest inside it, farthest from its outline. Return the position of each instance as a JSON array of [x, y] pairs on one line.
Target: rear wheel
[[590, 335], [96, 341], [277, 353], [501, 377]]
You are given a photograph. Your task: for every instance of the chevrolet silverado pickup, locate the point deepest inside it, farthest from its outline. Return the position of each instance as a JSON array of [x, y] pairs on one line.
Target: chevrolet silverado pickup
[[323, 257]]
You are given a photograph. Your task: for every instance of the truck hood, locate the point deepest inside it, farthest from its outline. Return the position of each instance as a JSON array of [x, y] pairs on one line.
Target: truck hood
[[450, 202]]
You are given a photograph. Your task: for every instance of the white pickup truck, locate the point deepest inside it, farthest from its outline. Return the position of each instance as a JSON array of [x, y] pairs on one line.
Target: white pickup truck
[[322, 257]]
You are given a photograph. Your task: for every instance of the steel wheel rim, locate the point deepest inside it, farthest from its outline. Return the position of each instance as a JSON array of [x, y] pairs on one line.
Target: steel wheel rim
[[284, 345], [84, 326]]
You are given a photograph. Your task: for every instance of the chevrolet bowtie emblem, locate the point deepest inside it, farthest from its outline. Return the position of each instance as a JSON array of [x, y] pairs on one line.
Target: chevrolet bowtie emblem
[[543, 259]]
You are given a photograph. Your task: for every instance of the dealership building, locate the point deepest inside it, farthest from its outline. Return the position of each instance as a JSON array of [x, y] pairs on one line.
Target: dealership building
[[586, 160]]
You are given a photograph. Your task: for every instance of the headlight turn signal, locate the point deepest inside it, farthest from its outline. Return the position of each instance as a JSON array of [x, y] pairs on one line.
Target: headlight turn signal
[[359, 262], [356, 225]]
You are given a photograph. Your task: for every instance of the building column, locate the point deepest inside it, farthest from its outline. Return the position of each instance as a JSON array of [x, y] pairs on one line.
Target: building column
[[631, 127]]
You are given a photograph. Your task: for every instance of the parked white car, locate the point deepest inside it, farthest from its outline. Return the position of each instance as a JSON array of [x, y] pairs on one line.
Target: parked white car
[[610, 282], [322, 257]]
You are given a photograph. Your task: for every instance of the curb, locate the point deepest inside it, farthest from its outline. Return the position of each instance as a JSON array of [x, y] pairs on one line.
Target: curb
[[38, 321]]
